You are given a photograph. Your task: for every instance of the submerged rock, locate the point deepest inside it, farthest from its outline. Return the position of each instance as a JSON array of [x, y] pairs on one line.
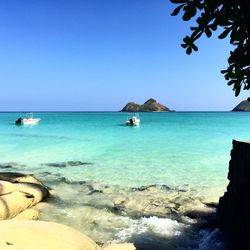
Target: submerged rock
[[67, 164], [10, 165], [5, 166], [150, 105], [150, 200], [196, 209], [56, 165]]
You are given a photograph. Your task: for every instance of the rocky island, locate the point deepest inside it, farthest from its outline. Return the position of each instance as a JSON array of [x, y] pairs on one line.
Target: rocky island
[[150, 105], [243, 106]]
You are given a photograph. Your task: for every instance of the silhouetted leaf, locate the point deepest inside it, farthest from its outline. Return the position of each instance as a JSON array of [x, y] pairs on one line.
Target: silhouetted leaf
[[224, 33], [186, 39], [186, 17], [178, 1], [177, 10], [213, 27], [237, 90], [194, 47], [208, 32], [231, 82], [189, 50], [233, 17]]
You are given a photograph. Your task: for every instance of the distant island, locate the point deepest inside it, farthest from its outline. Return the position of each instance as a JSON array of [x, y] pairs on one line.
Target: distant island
[[150, 105], [243, 106]]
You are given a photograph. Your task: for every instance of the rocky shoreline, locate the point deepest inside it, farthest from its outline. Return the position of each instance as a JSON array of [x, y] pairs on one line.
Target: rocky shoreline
[[19, 195], [149, 216], [183, 214]]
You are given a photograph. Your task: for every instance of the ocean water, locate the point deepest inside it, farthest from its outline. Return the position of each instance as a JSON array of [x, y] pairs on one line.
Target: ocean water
[[102, 173]]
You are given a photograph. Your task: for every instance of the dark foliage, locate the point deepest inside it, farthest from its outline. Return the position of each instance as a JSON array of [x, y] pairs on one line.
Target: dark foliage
[[234, 17]]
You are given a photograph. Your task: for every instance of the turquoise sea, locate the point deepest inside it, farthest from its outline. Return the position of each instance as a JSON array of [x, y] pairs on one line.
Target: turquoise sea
[[99, 170]]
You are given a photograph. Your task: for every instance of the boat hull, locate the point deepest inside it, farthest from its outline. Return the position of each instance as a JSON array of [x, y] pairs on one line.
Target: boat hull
[[133, 123], [30, 121]]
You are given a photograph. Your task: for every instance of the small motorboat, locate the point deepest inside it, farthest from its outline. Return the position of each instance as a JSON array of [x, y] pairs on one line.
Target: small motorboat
[[28, 120], [133, 120]]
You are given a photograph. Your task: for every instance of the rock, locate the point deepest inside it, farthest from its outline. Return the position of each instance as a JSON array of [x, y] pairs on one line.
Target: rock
[[67, 164], [28, 214], [14, 203], [11, 247], [19, 192], [18, 177], [233, 211], [78, 163], [41, 235], [126, 246], [38, 192], [5, 166], [6, 187], [56, 165], [195, 211], [9, 165], [11, 177], [131, 107], [150, 105], [2, 242], [243, 106], [150, 200]]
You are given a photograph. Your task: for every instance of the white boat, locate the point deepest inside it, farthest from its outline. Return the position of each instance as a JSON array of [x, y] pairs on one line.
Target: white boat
[[133, 120], [29, 120]]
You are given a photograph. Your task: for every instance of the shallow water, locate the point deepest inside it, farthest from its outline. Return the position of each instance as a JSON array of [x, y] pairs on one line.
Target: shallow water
[[91, 161]]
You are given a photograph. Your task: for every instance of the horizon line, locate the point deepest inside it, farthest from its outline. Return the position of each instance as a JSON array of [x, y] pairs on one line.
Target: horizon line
[[108, 111]]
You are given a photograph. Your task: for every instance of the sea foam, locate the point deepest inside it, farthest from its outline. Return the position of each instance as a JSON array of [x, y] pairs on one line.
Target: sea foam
[[162, 227]]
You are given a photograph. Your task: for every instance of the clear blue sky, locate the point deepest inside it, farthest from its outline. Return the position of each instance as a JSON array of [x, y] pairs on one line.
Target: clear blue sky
[[100, 54]]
